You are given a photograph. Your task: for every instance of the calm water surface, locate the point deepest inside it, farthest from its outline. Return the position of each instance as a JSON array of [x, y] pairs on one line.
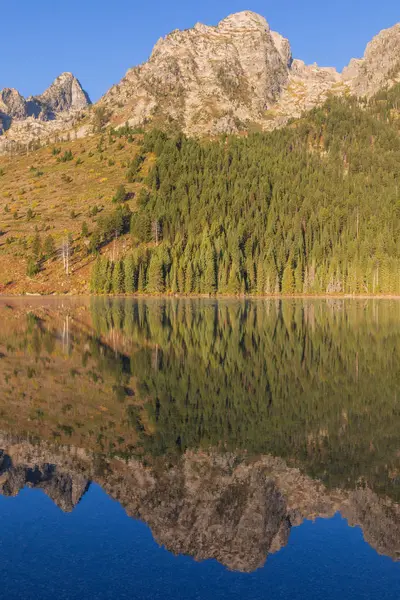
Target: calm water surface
[[199, 449]]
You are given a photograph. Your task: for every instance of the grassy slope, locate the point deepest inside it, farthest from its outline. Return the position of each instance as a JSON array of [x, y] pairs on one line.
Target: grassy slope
[[52, 190]]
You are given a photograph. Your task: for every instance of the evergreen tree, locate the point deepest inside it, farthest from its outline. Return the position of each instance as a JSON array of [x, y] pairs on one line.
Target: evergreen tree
[[96, 284], [118, 278], [49, 246], [210, 274], [129, 275], [155, 283], [36, 247], [288, 279]]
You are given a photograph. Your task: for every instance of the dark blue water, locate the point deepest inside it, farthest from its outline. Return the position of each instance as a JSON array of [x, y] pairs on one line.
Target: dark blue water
[[98, 552]]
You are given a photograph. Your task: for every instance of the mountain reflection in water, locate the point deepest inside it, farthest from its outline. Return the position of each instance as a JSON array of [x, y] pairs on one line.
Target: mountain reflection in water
[[221, 424]]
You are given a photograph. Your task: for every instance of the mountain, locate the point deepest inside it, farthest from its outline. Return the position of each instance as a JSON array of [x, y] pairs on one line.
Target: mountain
[[239, 75], [25, 118], [64, 94], [380, 66], [310, 207], [207, 79], [236, 76]]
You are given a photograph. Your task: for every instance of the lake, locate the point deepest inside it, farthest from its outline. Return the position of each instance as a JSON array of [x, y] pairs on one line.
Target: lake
[[202, 449]]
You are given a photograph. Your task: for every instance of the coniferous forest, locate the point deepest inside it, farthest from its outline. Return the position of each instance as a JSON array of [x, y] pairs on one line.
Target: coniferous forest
[[313, 208]]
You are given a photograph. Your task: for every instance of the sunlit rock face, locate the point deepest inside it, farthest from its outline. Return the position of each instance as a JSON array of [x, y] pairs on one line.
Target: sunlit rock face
[[64, 94], [239, 74], [207, 78], [25, 120], [236, 76], [380, 66]]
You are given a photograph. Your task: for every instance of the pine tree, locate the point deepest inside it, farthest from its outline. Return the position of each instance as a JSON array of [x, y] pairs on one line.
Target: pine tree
[[288, 279], [298, 278], [118, 278], [155, 283], [95, 281], [36, 247], [234, 280], [142, 283], [209, 284], [260, 277], [49, 246], [105, 276], [129, 275]]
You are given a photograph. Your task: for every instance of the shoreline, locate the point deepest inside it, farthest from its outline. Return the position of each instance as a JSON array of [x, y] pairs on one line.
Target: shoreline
[[32, 296]]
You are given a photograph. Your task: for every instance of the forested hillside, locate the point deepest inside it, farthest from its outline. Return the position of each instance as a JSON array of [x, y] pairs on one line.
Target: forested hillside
[[311, 208]]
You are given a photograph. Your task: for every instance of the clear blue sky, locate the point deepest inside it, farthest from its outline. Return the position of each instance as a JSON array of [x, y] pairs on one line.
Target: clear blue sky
[[98, 40]]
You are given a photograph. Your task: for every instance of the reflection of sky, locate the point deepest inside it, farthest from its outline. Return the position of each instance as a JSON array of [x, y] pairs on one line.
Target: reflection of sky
[[98, 553]]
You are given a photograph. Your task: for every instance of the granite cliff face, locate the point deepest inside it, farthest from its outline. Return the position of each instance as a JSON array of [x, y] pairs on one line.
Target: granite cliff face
[[207, 79], [64, 94], [206, 505], [25, 120], [380, 66], [236, 76], [239, 75]]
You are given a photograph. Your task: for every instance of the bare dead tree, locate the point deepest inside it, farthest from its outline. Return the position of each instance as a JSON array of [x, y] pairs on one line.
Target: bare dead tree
[[66, 253], [156, 231]]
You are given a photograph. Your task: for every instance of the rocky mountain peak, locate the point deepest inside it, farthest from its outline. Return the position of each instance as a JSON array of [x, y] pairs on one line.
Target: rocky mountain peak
[[59, 102], [206, 79], [64, 94], [240, 74], [380, 66], [242, 21], [283, 47], [12, 103], [234, 76]]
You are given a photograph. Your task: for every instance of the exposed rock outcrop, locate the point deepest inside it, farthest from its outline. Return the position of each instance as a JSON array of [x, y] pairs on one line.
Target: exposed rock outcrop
[[64, 94], [25, 120], [380, 66], [65, 489], [207, 79], [238, 75]]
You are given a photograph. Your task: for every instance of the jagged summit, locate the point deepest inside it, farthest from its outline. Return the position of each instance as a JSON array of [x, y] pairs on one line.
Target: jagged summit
[[230, 77], [207, 79], [65, 94], [380, 65], [239, 74]]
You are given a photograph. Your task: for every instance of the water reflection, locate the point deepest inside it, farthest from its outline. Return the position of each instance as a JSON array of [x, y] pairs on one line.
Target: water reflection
[[220, 424]]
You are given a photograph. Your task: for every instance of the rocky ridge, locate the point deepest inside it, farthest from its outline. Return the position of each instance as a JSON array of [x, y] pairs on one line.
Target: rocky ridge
[[240, 75], [206, 505], [27, 119], [236, 76]]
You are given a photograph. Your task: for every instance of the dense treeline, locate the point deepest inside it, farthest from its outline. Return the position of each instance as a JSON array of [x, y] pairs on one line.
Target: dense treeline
[[311, 208], [316, 381]]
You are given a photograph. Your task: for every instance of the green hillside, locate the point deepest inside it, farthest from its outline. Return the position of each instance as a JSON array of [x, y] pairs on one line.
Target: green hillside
[[313, 208]]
